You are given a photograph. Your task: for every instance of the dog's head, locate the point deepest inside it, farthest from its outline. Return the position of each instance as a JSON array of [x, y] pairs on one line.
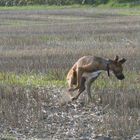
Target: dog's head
[[72, 78], [116, 66]]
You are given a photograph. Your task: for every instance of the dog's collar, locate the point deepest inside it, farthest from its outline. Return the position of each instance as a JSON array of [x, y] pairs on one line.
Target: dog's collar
[[107, 67]]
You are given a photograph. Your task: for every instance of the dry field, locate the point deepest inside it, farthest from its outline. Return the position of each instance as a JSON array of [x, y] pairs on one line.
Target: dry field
[[37, 47]]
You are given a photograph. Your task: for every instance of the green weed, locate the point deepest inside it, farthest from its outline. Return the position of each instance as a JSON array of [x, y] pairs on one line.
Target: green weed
[[30, 80]]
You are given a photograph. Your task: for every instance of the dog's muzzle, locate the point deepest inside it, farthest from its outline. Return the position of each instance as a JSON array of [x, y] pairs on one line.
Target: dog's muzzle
[[120, 76]]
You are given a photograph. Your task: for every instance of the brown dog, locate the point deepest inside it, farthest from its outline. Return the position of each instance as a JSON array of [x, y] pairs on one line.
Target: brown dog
[[89, 67]]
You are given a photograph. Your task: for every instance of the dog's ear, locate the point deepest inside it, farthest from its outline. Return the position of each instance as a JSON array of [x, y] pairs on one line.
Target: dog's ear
[[123, 60], [116, 58]]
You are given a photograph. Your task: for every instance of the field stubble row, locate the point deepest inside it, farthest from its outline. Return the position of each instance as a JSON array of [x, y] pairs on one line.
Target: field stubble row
[[39, 48], [46, 43]]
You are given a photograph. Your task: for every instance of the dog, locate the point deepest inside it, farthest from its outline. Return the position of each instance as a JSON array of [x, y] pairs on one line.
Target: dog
[[88, 68]]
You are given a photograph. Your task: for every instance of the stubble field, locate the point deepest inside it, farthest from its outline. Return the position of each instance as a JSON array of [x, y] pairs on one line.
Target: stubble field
[[37, 48]]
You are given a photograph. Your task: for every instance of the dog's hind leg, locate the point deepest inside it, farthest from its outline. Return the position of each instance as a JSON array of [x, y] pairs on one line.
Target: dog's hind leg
[[81, 89], [80, 72]]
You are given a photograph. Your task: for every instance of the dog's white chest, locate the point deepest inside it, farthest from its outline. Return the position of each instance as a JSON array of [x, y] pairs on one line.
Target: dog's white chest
[[92, 75]]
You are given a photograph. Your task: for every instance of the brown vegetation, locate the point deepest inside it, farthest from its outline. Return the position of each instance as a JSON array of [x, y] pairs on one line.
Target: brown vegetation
[[49, 42]]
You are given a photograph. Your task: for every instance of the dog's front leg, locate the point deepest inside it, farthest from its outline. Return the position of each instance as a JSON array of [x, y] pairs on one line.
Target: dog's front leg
[[88, 88], [91, 78]]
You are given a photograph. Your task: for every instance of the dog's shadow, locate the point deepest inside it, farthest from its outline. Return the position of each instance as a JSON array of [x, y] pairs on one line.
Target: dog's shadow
[[66, 99]]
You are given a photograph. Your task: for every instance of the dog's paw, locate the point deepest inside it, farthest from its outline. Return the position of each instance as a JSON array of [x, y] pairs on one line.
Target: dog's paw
[[73, 89], [73, 98], [70, 89]]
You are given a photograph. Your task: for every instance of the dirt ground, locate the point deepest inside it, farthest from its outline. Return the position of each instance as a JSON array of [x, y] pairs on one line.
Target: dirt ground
[[73, 120]]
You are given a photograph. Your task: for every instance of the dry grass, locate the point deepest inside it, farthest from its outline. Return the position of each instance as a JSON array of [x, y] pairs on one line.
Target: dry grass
[[48, 42]]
